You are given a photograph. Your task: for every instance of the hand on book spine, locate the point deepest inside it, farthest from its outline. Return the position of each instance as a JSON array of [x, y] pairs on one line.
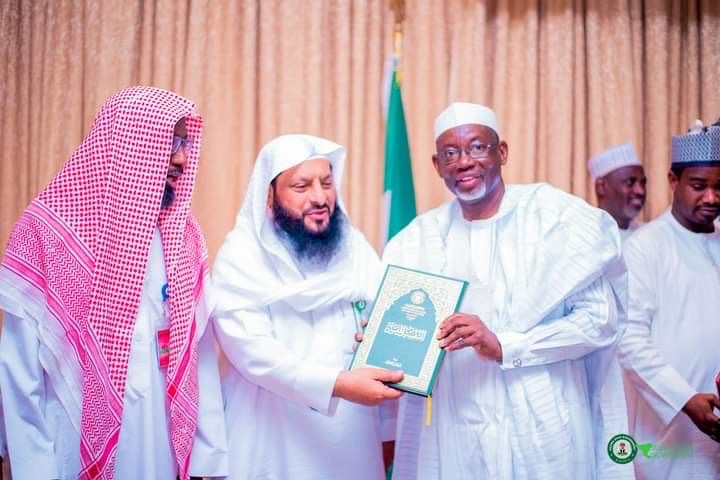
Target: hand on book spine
[[366, 386]]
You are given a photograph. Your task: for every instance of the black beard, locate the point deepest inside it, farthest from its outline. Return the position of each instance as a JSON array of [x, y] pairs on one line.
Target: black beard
[[314, 247], [168, 196]]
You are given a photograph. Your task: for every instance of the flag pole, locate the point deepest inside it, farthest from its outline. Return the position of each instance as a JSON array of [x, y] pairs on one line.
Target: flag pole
[[398, 8], [398, 191]]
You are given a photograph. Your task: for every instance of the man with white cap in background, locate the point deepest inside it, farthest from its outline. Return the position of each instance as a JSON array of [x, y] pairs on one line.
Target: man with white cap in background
[[292, 279], [670, 348], [521, 392], [620, 182]]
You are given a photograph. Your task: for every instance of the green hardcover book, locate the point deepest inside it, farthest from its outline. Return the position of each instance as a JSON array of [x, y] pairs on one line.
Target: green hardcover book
[[403, 325]]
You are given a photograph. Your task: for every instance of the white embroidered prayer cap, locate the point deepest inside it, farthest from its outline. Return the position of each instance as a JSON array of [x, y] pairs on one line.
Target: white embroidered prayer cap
[[464, 113], [611, 159]]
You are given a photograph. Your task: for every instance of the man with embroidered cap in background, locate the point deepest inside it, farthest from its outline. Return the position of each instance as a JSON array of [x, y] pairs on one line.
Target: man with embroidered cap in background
[[107, 365], [669, 351], [620, 185], [523, 389], [292, 278]]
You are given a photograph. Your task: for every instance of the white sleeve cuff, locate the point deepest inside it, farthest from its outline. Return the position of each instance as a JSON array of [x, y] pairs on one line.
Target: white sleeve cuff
[[514, 349], [314, 387], [674, 389], [209, 465], [32, 466]]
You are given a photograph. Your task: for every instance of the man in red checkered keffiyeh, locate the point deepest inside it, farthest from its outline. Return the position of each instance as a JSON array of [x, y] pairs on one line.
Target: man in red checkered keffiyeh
[[107, 369]]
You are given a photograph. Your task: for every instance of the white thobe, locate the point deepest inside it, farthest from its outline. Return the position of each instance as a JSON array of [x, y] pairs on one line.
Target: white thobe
[[531, 416], [626, 233], [44, 443], [288, 331], [669, 349], [282, 420]]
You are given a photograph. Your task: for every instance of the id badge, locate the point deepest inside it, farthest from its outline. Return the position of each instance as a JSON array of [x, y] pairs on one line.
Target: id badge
[[163, 347]]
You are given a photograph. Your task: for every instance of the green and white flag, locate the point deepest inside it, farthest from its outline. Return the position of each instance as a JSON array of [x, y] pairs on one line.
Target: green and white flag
[[399, 193]]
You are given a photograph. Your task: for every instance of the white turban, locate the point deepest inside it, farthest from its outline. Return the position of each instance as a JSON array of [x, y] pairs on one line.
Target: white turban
[[255, 269], [279, 155], [463, 113], [612, 159]]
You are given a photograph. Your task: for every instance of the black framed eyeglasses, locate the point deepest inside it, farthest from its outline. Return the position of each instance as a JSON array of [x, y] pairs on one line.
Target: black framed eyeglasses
[[178, 142], [476, 150]]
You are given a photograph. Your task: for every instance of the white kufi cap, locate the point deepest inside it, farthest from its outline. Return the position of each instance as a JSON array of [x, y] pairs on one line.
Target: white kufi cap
[[463, 113], [612, 159]]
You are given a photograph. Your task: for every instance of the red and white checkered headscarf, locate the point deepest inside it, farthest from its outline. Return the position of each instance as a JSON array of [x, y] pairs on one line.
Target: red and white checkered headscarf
[[82, 247]]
